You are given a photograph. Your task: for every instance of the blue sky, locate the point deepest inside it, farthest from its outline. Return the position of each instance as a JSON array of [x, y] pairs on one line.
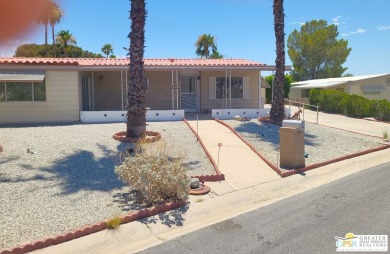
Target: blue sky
[[243, 28]]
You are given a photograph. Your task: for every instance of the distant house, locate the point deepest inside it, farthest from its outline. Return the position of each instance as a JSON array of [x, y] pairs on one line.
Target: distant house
[[370, 86], [67, 90]]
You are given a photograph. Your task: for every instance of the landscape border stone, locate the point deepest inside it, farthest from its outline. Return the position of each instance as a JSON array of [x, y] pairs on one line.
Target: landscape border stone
[[93, 228]]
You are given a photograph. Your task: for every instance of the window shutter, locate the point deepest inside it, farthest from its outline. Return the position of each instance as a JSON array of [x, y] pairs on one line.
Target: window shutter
[[246, 87], [212, 87]]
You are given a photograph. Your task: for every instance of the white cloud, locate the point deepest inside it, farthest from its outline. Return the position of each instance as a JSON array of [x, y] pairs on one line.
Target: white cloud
[[358, 31], [382, 28], [345, 35], [336, 20], [297, 23]]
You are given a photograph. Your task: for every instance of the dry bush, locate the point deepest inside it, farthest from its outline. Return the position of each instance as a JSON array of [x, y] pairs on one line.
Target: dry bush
[[154, 173]]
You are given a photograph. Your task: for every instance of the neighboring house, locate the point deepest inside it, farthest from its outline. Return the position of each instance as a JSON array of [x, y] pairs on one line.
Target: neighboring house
[[60, 89], [370, 86]]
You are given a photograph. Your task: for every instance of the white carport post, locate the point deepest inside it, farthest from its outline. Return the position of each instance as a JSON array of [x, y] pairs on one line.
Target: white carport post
[[260, 80], [230, 89]]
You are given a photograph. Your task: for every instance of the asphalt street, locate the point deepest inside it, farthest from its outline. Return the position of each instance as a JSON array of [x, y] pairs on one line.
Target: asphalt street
[[305, 223]]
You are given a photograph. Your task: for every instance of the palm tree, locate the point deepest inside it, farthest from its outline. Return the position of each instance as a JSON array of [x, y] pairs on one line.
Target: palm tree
[[203, 45], [216, 55], [108, 50], [56, 15], [64, 38], [44, 20], [277, 109], [136, 108]]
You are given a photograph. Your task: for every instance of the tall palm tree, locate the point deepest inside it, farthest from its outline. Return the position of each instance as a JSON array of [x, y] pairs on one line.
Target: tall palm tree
[[277, 109], [108, 50], [136, 108], [44, 20], [203, 45], [64, 38], [56, 15]]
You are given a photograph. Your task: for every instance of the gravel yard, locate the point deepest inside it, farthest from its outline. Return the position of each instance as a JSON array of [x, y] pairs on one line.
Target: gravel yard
[[57, 178], [321, 143]]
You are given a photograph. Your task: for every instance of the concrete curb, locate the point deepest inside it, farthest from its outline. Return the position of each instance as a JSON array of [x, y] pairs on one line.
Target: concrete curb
[[285, 173], [90, 229], [210, 178]]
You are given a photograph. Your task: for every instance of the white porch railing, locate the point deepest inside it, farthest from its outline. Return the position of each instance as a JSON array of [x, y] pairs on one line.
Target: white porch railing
[[225, 114], [120, 116]]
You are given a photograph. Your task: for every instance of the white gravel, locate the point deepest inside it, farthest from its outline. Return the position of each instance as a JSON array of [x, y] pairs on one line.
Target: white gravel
[[322, 143], [58, 178]]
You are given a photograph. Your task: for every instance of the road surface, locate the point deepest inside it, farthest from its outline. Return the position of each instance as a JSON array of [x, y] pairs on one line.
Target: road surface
[[305, 223]]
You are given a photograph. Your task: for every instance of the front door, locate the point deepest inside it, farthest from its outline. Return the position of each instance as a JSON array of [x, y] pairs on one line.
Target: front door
[[86, 93], [188, 94]]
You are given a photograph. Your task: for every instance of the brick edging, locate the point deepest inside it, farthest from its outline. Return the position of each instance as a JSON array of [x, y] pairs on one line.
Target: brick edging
[[285, 173], [94, 228], [211, 178]]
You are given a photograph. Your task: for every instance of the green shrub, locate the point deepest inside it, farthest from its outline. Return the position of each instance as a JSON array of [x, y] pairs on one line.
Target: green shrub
[[155, 174], [332, 101], [381, 110], [357, 106], [314, 96]]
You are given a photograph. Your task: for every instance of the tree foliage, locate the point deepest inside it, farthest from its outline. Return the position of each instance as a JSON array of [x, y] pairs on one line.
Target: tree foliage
[[65, 38], [204, 44], [38, 50], [316, 52], [287, 84], [107, 50]]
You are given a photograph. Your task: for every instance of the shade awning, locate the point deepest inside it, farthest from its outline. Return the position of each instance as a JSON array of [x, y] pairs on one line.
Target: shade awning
[[323, 84], [20, 76], [374, 88]]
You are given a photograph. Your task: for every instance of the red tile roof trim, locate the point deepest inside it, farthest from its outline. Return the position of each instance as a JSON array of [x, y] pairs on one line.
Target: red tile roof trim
[[125, 61]]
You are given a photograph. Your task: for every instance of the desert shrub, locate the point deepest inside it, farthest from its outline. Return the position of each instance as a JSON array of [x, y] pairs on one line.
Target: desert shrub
[[114, 222], [331, 101], [381, 110], [357, 106], [314, 96], [154, 174]]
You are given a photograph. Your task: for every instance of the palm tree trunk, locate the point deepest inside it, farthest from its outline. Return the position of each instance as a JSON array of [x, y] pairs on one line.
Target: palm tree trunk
[[277, 109], [54, 43], [136, 108], [46, 40]]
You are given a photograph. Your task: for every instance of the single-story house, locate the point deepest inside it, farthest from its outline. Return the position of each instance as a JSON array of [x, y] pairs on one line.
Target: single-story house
[[37, 90], [370, 86]]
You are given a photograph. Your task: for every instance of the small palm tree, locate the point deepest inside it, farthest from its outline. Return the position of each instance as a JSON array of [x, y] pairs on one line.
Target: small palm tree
[[136, 99], [277, 109], [216, 55], [64, 38], [108, 50], [203, 45], [56, 15]]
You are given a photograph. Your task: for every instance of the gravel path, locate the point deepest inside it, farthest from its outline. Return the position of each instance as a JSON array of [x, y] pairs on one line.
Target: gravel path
[[322, 143], [67, 178]]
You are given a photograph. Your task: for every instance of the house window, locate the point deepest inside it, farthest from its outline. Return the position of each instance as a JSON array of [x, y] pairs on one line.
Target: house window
[[372, 92], [22, 91], [2, 91], [237, 90]]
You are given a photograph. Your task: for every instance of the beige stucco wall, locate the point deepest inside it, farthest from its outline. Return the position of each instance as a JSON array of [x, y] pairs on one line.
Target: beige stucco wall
[[159, 95], [252, 102], [107, 90], [61, 105]]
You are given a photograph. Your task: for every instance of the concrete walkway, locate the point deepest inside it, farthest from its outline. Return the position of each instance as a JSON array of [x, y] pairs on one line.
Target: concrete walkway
[[241, 166], [346, 123]]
